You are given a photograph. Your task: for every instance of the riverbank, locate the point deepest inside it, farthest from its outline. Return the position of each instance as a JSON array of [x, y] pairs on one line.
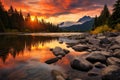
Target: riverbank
[[103, 60]]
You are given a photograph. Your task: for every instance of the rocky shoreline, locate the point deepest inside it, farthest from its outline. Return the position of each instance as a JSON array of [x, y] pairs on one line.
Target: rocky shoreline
[[104, 55]]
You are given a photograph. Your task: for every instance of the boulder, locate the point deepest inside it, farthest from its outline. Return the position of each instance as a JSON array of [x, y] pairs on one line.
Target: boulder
[[94, 41], [111, 72], [57, 75], [101, 37], [115, 47], [105, 53], [105, 41], [113, 61], [81, 64], [53, 60], [83, 41], [77, 79], [59, 51], [117, 39], [111, 34], [99, 65], [96, 57], [117, 53], [66, 51], [80, 47], [93, 73]]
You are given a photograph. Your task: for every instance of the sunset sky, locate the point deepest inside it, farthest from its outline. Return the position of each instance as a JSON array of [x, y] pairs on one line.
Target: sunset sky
[[57, 11]]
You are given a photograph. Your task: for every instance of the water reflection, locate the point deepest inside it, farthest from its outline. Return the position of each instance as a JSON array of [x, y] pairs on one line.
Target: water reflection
[[15, 45], [25, 55]]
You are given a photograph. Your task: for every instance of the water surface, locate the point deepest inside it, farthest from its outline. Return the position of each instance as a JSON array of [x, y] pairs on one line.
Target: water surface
[[23, 56]]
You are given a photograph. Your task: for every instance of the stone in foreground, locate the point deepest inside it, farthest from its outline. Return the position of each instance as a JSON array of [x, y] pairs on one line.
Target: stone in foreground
[[96, 57], [111, 73], [81, 64]]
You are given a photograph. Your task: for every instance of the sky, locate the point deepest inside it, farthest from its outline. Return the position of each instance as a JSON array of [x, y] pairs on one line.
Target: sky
[[57, 11]]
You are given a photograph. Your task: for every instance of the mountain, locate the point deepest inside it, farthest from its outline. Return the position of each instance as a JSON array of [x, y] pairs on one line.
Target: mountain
[[79, 22], [68, 23], [83, 24], [84, 19]]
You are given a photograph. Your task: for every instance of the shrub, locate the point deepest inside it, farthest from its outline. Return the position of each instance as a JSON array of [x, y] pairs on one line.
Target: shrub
[[102, 29], [117, 28]]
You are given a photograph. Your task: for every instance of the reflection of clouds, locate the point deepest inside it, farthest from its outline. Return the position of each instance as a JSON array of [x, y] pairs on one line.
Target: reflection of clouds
[[34, 70]]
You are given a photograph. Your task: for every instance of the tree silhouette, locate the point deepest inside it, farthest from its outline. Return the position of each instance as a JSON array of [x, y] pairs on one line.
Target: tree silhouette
[[14, 20], [115, 17]]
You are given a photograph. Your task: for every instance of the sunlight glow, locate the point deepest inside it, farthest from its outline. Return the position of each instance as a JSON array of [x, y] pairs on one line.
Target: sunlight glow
[[32, 18]]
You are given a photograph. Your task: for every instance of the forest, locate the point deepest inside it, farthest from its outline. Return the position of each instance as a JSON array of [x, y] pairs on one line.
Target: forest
[[108, 22], [12, 20]]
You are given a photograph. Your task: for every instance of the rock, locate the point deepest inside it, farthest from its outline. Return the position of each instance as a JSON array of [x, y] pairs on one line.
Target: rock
[[115, 47], [80, 47], [99, 65], [53, 60], [111, 34], [83, 41], [58, 75], [81, 64], [117, 39], [59, 56], [105, 41], [70, 44], [101, 37], [92, 73], [60, 42], [66, 51], [113, 61], [96, 57], [94, 41], [58, 51], [111, 72], [105, 53], [117, 53], [77, 79]]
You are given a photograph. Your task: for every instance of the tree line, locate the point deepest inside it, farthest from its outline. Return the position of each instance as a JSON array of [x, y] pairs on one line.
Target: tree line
[[111, 20], [13, 20]]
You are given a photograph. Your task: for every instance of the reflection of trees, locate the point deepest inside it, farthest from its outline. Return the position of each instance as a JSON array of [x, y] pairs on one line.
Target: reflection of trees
[[16, 44]]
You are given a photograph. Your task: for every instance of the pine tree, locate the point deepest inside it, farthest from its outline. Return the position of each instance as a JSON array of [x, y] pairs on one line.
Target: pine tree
[[4, 16], [104, 16], [115, 17], [2, 27], [95, 23]]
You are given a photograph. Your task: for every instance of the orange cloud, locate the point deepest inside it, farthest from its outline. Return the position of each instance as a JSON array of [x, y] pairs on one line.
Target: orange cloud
[[55, 8]]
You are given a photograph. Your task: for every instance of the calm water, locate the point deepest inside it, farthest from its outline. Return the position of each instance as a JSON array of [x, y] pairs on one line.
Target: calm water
[[23, 56]]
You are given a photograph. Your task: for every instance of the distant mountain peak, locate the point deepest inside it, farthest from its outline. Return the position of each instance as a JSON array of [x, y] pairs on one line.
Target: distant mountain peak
[[84, 19]]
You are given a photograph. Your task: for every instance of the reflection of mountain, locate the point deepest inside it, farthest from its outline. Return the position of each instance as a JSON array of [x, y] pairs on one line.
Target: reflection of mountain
[[16, 44], [83, 24]]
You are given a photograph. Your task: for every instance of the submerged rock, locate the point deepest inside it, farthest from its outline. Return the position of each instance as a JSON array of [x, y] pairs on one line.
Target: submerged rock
[[53, 60], [59, 51], [81, 64], [111, 72]]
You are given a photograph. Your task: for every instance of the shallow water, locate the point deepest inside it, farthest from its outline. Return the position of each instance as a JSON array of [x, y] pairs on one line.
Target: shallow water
[[23, 56]]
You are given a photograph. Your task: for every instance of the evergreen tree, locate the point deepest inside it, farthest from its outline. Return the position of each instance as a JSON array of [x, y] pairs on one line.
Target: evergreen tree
[[104, 16], [4, 16], [115, 17], [2, 28], [95, 23]]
